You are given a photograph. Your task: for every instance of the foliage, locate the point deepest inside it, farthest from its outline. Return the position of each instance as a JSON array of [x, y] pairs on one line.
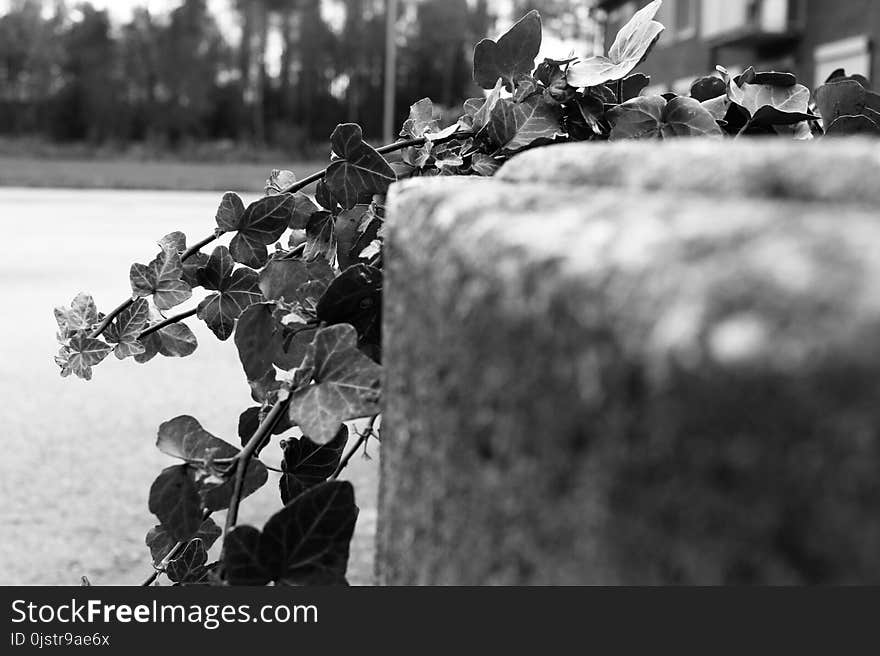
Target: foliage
[[306, 318]]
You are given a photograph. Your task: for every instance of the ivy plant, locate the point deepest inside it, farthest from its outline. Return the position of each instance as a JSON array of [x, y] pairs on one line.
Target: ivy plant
[[299, 287]]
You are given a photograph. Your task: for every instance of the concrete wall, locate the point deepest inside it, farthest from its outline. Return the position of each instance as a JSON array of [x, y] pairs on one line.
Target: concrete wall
[[635, 364]]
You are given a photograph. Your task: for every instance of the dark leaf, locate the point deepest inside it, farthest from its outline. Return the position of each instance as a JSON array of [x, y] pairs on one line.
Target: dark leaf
[[183, 437], [633, 85], [282, 277], [241, 560], [173, 341], [845, 98], [323, 197], [230, 212], [346, 229], [163, 278], [359, 171], [262, 223], [844, 126], [514, 126], [355, 297], [303, 208], [175, 500], [249, 422], [320, 237], [307, 541], [511, 56], [236, 290], [126, 328], [307, 463], [639, 118], [707, 88], [629, 49], [189, 566], [160, 541], [686, 117], [347, 385]]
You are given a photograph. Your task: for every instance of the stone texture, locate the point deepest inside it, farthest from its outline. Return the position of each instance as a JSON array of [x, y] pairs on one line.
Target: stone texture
[[620, 385], [805, 171]]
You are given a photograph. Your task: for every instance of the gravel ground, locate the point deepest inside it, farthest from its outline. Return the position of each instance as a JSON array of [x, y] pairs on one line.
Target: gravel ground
[[79, 456]]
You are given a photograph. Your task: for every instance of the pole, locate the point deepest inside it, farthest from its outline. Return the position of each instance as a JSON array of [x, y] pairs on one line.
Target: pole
[[390, 70]]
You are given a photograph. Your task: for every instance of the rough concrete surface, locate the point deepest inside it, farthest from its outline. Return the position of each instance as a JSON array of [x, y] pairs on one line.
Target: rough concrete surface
[[593, 384]]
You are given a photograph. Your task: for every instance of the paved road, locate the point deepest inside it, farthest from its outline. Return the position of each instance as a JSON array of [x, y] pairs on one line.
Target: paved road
[[78, 457]]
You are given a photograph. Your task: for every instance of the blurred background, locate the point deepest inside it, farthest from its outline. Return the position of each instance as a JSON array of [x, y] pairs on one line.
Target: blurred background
[[237, 80]]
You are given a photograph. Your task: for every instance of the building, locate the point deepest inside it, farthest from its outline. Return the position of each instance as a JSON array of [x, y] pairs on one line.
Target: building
[[810, 38]]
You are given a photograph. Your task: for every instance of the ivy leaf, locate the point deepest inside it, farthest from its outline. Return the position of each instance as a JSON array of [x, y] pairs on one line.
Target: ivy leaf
[[249, 422], [281, 278], [421, 120], [237, 289], [686, 117], [320, 237], [160, 542], [359, 171], [124, 330], [307, 463], [347, 230], [483, 164], [511, 56], [80, 355], [845, 98], [230, 212], [526, 86], [355, 297], [241, 559], [307, 541], [630, 47], [513, 126], [175, 500], [189, 566], [652, 117], [347, 385], [845, 126], [81, 315], [183, 437], [261, 224], [173, 341], [769, 98], [278, 181], [633, 85], [261, 342], [323, 197], [192, 264], [303, 208], [161, 278]]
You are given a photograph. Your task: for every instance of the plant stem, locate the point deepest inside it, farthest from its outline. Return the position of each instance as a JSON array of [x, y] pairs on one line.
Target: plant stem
[[189, 252], [167, 322], [171, 555], [362, 438], [263, 432], [101, 327], [389, 148], [195, 248]]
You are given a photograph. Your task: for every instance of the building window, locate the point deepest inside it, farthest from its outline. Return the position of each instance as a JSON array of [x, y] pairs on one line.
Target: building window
[[852, 55]]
